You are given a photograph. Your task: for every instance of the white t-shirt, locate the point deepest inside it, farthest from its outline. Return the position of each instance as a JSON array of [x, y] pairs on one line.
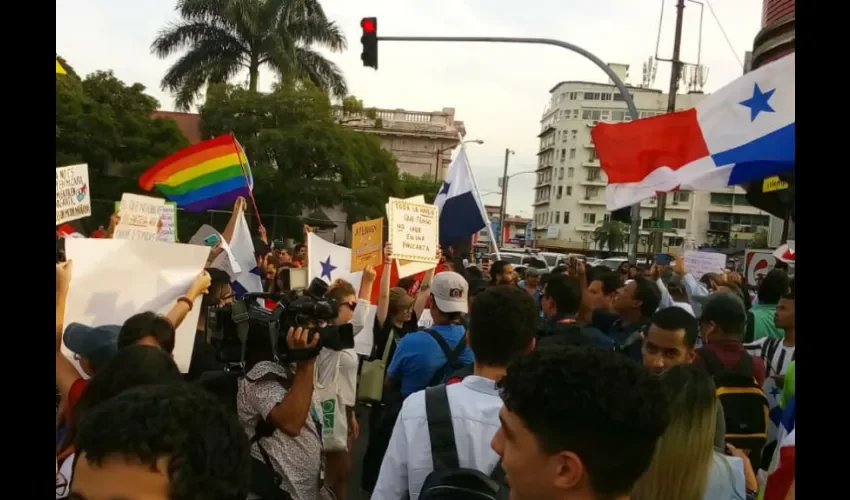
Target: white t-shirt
[[347, 377]]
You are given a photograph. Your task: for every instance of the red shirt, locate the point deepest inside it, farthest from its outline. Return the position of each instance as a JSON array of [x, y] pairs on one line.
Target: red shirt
[[729, 351], [74, 394]]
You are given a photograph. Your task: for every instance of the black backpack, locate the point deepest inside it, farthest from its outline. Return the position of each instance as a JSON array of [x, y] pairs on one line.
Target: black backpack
[[744, 403], [448, 481], [453, 361]]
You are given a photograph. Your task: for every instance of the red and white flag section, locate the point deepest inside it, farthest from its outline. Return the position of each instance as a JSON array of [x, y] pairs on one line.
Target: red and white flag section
[[743, 132]]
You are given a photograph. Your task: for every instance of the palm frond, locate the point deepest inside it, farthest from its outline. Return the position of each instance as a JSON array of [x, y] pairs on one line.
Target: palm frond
[[324, 73]]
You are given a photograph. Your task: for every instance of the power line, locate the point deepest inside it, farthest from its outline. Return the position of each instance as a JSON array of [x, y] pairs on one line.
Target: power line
[[723, 32]]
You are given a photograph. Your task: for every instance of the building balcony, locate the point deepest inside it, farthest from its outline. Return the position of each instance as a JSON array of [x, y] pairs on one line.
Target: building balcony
[[588, 145], [592, 201], [590, 163], [543, 183], [548, 129], [544, 166], [546, 149], [538, 203], [593, 182]]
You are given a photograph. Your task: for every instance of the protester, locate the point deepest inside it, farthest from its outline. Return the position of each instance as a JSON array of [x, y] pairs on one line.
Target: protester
[[502, 273], [760, 322], [204, 359], [636, 301], [562, 297]]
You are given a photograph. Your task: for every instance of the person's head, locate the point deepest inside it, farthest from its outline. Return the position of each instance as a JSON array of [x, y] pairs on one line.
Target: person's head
[[346, 298], [775, 285], [474, 273], [130, 367], [92, 347], [624, 268], [723, 316], [502, 325], [561, 295], [670, 339], [449, 298], [476, 286], [220, 292], [401, 306], [300, 252], [676, 289], [532, 278], [683, 455], [174, 442], [712, 280], [272, 263], [262, 252], [148, 328], [785, 316], [735, 289], [502, 272], [781, 265], [637, 299], [634, 272], [577, 423], [284, 256], [601, 291]]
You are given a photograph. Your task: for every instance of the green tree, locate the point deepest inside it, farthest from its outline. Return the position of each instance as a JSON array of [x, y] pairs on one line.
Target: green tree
[[611, 234], [223, 37], [107, 124], [301, 158], [761, 239], [414, 186]]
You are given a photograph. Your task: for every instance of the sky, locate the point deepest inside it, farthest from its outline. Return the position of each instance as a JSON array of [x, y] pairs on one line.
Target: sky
[[498, 90]]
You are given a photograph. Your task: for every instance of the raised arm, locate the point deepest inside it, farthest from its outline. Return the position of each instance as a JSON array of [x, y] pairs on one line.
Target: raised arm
[[384, 295], [66, 373], [238, 209]]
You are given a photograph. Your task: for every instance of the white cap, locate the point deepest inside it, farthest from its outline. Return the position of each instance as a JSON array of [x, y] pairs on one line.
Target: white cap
[[451, 292]]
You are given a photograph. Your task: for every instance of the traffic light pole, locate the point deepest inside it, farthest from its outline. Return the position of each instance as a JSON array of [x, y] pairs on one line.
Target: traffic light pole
[[627, 97]]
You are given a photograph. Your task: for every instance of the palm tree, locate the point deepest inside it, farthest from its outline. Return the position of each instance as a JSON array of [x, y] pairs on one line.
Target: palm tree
[[223, 37], [611, 234]]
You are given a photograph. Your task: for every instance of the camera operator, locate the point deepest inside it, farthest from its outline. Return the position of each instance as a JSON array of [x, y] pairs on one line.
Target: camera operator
[[204, 358], [283, 396]]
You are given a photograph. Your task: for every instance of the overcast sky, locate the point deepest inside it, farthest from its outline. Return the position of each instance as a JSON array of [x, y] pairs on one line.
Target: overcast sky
[[499, 91]]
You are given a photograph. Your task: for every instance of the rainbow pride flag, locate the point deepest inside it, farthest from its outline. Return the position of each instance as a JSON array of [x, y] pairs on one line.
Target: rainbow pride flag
[[207, 175]]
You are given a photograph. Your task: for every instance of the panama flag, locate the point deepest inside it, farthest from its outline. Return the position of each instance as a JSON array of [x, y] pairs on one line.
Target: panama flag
[[461, 211], [743, 132], [249, 280], [781, 474]]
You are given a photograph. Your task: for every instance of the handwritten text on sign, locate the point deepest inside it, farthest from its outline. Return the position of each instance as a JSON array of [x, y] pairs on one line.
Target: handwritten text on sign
[[168, 219], [140, 217], [73, 199], [699, 263], [413, 231], [367, 240]]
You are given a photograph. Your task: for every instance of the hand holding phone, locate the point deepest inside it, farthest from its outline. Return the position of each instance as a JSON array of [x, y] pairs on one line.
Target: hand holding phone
[[212, 240], [663, 259]]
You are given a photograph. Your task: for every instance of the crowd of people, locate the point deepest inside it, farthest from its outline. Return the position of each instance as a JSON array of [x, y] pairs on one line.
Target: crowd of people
[[579, 383]]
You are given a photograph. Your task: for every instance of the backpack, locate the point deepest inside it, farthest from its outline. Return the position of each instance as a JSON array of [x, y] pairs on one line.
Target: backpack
[[449, 481], [461, 374], [744, 403], [453, 361]]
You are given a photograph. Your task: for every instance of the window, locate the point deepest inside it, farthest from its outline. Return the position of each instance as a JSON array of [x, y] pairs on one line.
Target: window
[[591, 193], [569, 190], [679, 223], [571, 172], [592, 156], [606, 217], [557, 217], [573, 134], [590, 218], [563, 154], [618, 116], [561, 174], [572, 154], [604, 96], [575, 114], [559, 192], [564, 138], [594, 174], [605, 115], [566, 217], [557, 135], [573, 96], [721, 198], [591, 96], [681, 196]]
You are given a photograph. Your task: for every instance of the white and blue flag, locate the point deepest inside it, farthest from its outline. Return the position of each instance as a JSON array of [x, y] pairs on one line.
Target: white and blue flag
[[461, 211]]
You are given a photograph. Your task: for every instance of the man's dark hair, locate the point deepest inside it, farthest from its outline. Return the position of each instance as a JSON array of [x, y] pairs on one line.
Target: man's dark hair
[[477, 285], [148, 324], [297, 248], [562, 269], [565, 291], [497, 268], [783, 266], [502, 324], [676, 318], [474, 272], [648, 294], [600, 405], [218, 279], [775, 285], [207, 450], [610, 281], [727, 312]]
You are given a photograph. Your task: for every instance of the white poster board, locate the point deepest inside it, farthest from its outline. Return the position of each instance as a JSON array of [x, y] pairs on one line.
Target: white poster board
[[413, 231], [73, 196], [699, 263], [407, 268], [140, 217], [115, 279]]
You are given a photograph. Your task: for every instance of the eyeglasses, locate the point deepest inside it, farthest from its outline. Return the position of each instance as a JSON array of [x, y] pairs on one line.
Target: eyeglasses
[[351, 305]]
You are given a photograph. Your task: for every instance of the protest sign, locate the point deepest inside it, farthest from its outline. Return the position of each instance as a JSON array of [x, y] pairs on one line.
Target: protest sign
[[73, 197], [699, 263], [140, 217], [168, 218], [367, 241], [115, 279], [407, 268], [225, 260], [413, 231]]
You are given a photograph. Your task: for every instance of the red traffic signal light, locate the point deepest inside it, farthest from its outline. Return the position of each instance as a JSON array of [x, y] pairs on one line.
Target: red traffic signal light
[[369, 56]]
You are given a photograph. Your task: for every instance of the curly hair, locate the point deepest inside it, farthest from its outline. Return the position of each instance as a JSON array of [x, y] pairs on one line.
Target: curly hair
[[600, 405], [502, 324], [208, 452]]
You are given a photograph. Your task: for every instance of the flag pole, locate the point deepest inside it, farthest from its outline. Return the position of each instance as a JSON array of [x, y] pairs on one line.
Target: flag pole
[[245, 176], [478, 202]]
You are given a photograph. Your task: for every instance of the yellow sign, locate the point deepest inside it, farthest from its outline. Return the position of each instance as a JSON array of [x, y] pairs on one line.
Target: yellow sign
[[367, 244], [772, 184], [59, 69]]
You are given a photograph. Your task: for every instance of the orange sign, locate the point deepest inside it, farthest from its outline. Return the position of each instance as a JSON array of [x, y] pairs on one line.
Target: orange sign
[[367, 243]]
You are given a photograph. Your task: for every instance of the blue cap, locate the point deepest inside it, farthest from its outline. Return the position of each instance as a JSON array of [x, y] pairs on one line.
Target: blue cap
[[96, 344]]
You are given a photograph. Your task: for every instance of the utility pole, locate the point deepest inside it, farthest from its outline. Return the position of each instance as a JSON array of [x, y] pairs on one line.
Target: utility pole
[[500, 237], [675, 72]]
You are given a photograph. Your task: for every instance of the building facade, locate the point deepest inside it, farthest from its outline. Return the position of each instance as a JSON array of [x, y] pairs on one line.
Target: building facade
[[569, 195], [421, 141], [514, 231]]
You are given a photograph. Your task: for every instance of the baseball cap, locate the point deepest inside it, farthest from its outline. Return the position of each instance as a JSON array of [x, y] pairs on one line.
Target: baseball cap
[[450, 292], [399, 298], [96, 344]]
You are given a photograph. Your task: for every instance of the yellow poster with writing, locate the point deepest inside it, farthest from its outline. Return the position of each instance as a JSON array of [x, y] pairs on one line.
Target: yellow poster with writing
[[367, 244]]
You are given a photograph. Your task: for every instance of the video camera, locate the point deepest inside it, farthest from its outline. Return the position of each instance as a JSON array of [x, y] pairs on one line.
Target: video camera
[[245, 330]]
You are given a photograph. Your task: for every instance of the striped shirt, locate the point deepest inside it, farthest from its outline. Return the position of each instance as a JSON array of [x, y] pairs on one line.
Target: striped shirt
[[776, 355]]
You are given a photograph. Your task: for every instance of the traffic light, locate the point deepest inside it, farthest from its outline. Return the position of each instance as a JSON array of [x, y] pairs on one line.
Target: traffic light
[[369, 41]]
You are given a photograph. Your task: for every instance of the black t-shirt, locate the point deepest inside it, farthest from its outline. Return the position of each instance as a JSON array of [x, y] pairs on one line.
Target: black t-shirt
[[382, 333], [204, 358]]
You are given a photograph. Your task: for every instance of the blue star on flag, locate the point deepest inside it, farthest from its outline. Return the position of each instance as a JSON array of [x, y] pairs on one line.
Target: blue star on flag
[[759, 102], [775, 392], [445, 188], [327, 268]]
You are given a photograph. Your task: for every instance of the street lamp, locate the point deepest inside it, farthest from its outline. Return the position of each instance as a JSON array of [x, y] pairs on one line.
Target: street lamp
[[440, 156]]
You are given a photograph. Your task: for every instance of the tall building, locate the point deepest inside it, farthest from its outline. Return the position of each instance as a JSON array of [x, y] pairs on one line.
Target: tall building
[[421, 141], [569, 196]]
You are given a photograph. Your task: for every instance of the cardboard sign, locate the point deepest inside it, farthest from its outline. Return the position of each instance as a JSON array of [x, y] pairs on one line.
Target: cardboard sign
[[699, 263], [413, 231], [168, 217], [140, 216], [367, 244], [73, 198]]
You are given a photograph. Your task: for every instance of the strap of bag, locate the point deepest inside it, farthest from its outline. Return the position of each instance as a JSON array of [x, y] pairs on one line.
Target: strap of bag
[[262, 430], [440, 428], [452, 355]]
